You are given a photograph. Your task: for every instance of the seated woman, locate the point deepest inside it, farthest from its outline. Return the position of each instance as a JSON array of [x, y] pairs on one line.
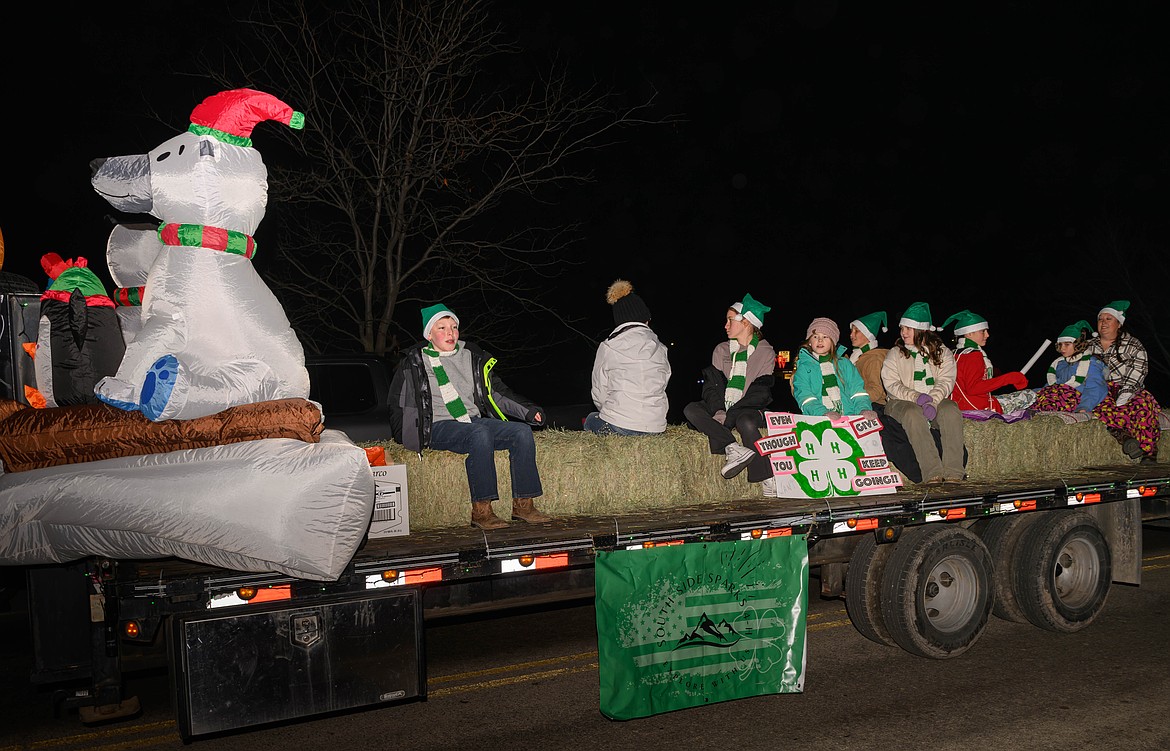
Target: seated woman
[[1076, 379], [630, 371], [975, 378], [737, 388], [1128, 410], [446, 396]]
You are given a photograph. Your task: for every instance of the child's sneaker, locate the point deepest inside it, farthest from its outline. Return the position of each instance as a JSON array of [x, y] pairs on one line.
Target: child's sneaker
[[770, 488], [738, 457]]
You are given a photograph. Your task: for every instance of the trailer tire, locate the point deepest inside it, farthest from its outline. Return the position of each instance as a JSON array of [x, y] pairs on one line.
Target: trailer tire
[[1002, 535], [936, 591], [1063, 570], [863, 584]]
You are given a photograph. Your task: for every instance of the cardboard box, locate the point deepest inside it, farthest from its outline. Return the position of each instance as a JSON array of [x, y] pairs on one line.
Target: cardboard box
[[391, 508]]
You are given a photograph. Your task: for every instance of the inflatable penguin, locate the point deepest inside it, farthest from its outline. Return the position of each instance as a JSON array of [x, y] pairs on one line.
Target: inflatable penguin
[[212, 335], [78, 339]]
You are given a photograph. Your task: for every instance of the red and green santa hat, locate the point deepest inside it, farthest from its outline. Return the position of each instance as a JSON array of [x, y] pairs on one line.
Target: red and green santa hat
[[231, 115], [71, 274]]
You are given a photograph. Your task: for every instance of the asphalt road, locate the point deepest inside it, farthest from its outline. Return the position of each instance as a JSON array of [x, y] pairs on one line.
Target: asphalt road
[[530, 680]]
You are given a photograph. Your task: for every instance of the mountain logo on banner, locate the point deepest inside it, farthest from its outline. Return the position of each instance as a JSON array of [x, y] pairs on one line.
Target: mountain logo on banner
[[710, 634]]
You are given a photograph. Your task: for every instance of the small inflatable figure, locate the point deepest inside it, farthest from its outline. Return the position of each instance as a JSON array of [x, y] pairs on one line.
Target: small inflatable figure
[[79, 341]]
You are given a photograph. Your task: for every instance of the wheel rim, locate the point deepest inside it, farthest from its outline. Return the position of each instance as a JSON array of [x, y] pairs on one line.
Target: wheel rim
[[1076, 572], [951, 594]]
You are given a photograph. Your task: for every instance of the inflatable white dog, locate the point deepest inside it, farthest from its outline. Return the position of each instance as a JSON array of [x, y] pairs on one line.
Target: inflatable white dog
[[212, 335]]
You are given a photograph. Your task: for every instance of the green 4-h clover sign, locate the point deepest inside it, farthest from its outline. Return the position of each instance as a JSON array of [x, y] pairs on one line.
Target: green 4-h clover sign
[[826, 459]]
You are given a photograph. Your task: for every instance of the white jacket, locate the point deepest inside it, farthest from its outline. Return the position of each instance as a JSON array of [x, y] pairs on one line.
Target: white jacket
[[630, 374]]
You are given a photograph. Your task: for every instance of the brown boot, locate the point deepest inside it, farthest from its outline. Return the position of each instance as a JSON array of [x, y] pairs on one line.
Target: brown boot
[[484, 517], [524, 510]]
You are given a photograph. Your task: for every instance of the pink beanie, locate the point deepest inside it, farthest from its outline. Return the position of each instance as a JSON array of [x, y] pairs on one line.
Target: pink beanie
[[825, 326]]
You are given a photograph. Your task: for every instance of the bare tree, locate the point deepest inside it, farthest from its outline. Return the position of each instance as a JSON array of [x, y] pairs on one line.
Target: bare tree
[[428, 159]]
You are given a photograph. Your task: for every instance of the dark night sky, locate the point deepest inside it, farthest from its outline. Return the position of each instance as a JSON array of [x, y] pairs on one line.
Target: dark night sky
[[830, 160]]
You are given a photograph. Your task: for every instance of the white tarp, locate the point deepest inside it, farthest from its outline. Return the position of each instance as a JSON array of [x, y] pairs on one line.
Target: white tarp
[[269, 505]]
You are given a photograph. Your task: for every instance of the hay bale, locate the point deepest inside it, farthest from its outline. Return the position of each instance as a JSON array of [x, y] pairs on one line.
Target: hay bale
[[582, 474], [590, 475]]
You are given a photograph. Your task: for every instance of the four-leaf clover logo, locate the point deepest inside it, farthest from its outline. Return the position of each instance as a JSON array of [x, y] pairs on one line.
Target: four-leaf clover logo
[[826, 459]]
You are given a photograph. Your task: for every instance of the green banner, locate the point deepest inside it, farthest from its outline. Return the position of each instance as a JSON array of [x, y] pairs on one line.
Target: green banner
[[686, 625]]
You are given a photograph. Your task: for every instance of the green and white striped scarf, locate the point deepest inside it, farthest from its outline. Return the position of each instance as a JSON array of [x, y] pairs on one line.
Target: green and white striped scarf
[[921, 372], [970, 346], [447, 390], [1079, 376], [859, 351], [738, 380], [830, 390]]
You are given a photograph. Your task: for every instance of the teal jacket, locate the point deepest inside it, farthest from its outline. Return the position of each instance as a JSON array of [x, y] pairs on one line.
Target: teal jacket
[[806, 385]]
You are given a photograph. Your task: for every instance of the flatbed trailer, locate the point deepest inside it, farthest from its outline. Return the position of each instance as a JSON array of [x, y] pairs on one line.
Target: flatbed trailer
[[1043, 550]]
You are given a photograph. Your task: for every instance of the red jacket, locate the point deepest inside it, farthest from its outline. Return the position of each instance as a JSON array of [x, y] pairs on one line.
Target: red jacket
[[972, 386]]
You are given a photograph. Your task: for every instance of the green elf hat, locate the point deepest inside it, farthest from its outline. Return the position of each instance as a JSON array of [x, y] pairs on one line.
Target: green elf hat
[[917, 316], [1073, 333], [230, 115], [68, 275], [1117, 309], [751, 309], [966, 322], [870, 324], [432, 314]]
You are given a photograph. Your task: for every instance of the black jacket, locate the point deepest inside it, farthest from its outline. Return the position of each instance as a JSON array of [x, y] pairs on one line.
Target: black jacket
[[758, 395], [410, 397]]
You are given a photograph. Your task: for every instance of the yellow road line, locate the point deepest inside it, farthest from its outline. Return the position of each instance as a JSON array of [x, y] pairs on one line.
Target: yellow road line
[[102, 734], [512, 668], [450, 690]]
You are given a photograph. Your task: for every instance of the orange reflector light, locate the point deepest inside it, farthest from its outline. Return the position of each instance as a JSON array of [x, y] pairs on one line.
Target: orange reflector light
[[652, 544], [889, 533], [1092, 498], [779, 532], [953, 513], [131, 629], [246, 593], [862, 523], [390, 574], [423, 575], [273, 594], [1025, 505], [556, 560], [1147, 492], [757, 534]]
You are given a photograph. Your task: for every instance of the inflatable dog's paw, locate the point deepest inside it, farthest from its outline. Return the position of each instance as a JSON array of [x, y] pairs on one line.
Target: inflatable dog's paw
[[159, 386]]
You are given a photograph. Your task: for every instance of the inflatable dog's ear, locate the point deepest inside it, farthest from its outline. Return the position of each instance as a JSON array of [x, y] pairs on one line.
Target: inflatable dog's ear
[[79, 341], [131, 251]]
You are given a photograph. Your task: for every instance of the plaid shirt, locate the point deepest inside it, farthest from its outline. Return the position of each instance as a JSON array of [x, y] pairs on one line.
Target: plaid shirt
[[1126, 364]]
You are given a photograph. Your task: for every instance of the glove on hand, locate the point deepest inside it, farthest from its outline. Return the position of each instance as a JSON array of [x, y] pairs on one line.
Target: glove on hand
[[929, 412], [924, 399], [1019, 380], [869, 414]]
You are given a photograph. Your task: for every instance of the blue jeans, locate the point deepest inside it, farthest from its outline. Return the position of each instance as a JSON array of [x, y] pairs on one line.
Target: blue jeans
[[594, 424], [480, 440]]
